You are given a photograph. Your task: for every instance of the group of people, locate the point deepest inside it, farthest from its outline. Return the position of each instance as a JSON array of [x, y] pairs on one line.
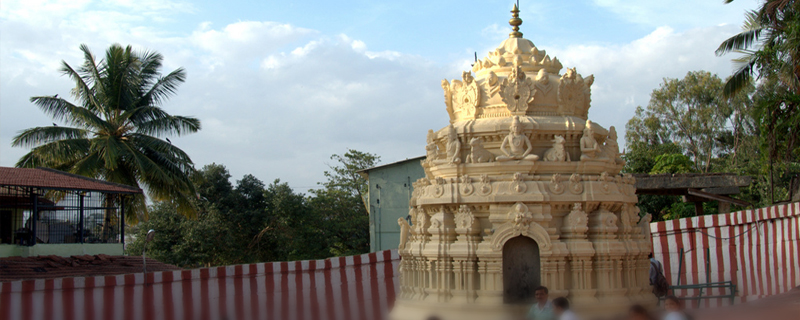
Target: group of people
[[559, 309]]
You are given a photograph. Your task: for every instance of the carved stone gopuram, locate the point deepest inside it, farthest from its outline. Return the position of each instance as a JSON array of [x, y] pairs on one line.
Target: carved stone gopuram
[[521, 190]]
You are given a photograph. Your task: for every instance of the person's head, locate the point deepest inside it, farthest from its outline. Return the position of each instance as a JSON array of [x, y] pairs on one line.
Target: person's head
[[560, 305], [650, 255], [540, 294], [672, 303], [638, 312]]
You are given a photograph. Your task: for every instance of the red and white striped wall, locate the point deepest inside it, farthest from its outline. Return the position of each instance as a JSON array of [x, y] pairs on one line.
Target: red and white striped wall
[[756, 249], [354, 287]]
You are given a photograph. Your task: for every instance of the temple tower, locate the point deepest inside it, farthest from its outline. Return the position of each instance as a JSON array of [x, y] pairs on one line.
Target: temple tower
[[521, 190]]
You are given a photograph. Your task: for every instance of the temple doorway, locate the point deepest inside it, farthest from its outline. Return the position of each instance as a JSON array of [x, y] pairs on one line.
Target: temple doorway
[[521, 270]]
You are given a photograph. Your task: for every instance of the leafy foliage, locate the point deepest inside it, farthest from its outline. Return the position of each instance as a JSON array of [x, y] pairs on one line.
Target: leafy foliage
[[252, 222], [115, 128]]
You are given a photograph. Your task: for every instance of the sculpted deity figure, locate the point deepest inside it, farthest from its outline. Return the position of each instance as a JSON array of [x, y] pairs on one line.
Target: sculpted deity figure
[[590, 149], [516, 145], [452, 147], [611, 148], [431, 150]]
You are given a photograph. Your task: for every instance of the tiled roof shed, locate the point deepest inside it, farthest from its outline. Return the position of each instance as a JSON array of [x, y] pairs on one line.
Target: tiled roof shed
[[47, 178]]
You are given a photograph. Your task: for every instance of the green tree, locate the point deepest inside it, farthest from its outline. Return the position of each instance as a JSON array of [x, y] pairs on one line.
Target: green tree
[[691, 112], [342, 203], [116, 128]]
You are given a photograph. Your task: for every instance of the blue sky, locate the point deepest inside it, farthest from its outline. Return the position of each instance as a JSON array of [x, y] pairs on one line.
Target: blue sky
[[282, 85]]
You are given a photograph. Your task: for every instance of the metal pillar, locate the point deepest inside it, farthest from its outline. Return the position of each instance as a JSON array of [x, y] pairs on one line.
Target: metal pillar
[[80, 210], [34, 216]]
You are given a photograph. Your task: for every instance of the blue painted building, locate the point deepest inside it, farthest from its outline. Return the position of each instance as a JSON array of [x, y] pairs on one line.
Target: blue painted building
[[389, 193]]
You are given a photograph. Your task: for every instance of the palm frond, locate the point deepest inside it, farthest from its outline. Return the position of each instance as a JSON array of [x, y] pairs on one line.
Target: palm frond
[[741, 41], [56, 154], [739, 80], [33, 137], [171, 125], [63, 110], [163, 88]]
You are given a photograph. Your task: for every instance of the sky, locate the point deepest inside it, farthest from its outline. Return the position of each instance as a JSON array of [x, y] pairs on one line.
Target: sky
[[280, 86]]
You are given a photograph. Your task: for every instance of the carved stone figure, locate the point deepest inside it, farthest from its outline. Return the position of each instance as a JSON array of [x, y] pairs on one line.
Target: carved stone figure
[[493, 84], [464, 219], [575, 185], [590, 149], [404, 229], [520, 216], [431, 149], [466, 96], [556, 187], [516, 145], [465, 183], [485, 187], [611, 148], [448, 99], [477, 153], [576, 222], [518, 183], [557, 152], [452, 147], [517, 91], [574, 93]]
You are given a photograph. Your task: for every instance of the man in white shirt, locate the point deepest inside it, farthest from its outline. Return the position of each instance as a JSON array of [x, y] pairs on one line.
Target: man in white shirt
[[561, 309], [542, 309], [655, 269]]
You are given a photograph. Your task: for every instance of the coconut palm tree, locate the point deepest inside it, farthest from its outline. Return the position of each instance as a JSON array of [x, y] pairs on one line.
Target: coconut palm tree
[[770, 46], [115, 128]]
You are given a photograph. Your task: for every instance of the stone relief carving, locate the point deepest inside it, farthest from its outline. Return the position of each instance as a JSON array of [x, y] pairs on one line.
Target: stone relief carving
[[518, 183], [556, 186], [477, 153], [604, 179], [517, 91], [611, 148], [520, 216], [438, 187], [604, 223], [574, 93], [431, 149], [590, 149], [465, 183], [466, 95], [419, 187], [493, 84], [543, 83], [575, 185], [404, 228], [452, 147], [516, 145], [558, 152], [421, 222], [448, 99], [465, 220], [577, 221], [485, 187]]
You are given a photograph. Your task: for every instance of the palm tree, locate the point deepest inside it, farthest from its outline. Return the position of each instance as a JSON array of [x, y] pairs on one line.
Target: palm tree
[[115, 128], [770, 44]]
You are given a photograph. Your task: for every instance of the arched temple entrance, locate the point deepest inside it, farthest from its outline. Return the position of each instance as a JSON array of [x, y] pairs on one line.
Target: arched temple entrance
[[521, 269]]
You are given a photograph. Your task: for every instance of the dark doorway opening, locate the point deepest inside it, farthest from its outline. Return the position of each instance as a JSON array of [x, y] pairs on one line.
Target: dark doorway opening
[[521, 270]]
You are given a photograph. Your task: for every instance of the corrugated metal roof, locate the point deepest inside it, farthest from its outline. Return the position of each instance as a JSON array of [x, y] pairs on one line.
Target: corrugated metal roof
[[391, 164]]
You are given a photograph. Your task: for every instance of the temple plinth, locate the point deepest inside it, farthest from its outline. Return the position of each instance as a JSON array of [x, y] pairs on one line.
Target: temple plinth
[[521, 190]]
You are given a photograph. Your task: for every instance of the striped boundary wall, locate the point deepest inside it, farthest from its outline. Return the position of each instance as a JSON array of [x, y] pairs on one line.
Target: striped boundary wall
[[757, 249], [354, 287]]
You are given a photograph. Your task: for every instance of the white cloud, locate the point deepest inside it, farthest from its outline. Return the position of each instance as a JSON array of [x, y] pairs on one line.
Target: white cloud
[[626, 74]]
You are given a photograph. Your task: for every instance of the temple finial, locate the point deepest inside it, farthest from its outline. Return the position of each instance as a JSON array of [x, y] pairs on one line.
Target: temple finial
[[515, 22]]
